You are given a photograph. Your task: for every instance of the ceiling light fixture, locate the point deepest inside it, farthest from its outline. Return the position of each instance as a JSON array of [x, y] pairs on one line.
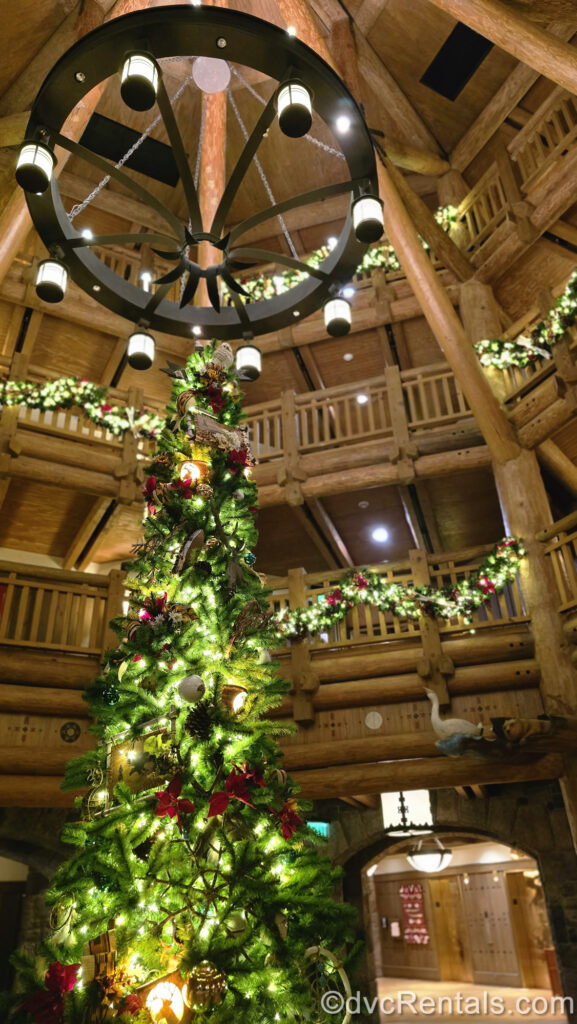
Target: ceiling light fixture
[[338, 317], [140, 351], [407, 814], [248, 362], [302, 83], [51, 281], [362, 399], [429, 855], [380, 534], [368, 219]]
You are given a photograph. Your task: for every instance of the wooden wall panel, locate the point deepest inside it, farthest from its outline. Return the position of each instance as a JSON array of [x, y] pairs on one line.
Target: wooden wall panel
[[493, 955]]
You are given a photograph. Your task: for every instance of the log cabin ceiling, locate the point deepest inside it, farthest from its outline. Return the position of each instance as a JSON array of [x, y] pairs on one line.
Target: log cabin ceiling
[[394, 41]]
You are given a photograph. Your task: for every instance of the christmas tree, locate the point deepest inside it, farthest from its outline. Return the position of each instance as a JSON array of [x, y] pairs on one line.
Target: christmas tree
[[195, 888]]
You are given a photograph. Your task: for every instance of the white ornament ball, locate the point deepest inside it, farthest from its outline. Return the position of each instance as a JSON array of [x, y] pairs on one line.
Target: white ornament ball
[[238, 495], [223, 356], [191, 688]]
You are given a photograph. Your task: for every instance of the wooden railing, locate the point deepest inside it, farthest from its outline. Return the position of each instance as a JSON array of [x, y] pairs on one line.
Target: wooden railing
[[355, 413], [54, 610], [484, 210], [365, 624], [547, 135], [561, 546]]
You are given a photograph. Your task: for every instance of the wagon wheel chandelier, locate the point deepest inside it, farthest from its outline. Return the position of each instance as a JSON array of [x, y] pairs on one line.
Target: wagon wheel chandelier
[[136, 48]]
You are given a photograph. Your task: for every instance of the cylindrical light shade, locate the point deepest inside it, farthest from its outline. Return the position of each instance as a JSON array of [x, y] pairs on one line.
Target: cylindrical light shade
[[51, 281], [338, 317], [248, 362], [140, 350], [407, 814], [139, 82], [368, 219], [294, 107], [34, 167]]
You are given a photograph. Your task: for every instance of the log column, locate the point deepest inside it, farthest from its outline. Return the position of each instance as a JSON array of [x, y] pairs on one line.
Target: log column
[[212, 176], [481, 320]]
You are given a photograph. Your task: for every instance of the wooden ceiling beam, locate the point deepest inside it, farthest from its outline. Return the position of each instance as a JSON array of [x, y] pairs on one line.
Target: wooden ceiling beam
[[85, 532], [412, 519], [326, 525], [500, 106], [368, 13], [515, 34], [315, 535], [12, 128]]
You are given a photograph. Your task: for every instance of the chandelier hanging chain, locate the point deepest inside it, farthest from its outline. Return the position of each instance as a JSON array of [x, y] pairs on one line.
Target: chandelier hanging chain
[[309, 138], [263, 176], [79, 207]]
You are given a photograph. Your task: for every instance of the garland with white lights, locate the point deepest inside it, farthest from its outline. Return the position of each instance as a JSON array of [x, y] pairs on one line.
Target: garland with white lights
[[67, 392], [381, 256], [526, 348], [407, 602]]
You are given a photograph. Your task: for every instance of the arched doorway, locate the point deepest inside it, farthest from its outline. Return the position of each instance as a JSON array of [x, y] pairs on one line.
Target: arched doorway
[[473, 931]]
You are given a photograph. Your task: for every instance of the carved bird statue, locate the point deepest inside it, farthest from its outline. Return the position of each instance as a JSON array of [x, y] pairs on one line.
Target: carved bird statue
[[445, 727]]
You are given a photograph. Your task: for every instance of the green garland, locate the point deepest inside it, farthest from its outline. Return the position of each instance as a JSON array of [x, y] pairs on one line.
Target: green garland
[[526, 348], [381, 256], [407, 602], [67, 392]]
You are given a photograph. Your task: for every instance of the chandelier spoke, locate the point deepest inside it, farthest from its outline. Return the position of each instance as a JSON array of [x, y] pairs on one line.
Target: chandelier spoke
[[265, 256], [97, 161], [303, 199], [122, 239], [242, 165], [180, 157]]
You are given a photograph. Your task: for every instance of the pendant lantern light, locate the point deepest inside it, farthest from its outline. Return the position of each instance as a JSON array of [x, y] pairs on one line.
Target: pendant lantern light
[[140, 352], [407, 814], [248, 362], [51, 281], [368, 219], [337, 317], [429, 855], [139, 81], [34, 167], [294, 106]]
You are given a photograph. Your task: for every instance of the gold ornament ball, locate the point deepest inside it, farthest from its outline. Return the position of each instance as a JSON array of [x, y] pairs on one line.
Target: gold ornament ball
[[205, 986]]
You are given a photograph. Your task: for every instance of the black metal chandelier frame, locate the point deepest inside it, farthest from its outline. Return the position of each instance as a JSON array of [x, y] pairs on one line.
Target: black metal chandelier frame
[[181, 30]]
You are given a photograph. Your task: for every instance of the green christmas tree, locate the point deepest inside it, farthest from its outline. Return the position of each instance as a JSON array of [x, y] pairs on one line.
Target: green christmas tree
[[195, 888]]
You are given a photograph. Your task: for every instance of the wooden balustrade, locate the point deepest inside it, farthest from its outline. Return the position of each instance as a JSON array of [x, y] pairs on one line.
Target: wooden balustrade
[[53, 610], [365, 624], [433, 396], [547, 135], [484, 210], [561, 541]]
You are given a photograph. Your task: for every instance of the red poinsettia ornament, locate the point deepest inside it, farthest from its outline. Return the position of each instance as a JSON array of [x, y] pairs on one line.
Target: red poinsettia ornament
[[47, 1005], [148, 494], [235, 789], [238, 458], [170, 803], [289, 819]]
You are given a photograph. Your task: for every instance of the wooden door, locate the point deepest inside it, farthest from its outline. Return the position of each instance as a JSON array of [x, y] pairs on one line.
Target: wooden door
[[530, 927], [490, 934], [399, 958], [450, 931]]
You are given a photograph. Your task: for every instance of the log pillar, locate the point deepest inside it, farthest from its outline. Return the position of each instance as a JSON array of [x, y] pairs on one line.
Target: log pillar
[[304, 681], [212, 178], [296, 13], [290, 475], [481, 320], [433, 666], [452, 188], [444, 322]]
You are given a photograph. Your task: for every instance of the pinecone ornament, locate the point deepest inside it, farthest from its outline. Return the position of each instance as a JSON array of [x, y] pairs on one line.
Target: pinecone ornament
[[200, 720]]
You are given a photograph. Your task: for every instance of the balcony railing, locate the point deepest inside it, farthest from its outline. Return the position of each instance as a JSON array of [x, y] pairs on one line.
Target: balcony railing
[[365, 624], [561, 546], [546, 136], [54, 610]]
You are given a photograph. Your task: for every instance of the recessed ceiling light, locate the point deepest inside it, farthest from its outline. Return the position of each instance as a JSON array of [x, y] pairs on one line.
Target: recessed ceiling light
[[296, 312], [332, 241], [348, 357], [348, 293], [342, 124], [380, 534], [362, 399], [364, 504]]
